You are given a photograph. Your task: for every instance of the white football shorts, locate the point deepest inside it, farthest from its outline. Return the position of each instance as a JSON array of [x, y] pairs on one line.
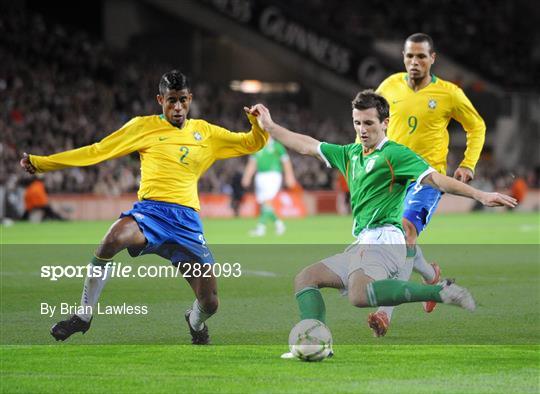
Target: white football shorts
[[380, 252], [267, 185]]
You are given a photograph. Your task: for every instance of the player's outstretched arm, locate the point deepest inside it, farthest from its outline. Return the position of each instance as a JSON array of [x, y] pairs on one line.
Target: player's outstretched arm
[[300, 143], [453, 186]]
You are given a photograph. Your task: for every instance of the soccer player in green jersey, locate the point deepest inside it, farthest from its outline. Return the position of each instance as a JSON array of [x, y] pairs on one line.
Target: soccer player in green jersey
[[378, 172], [269, 164]]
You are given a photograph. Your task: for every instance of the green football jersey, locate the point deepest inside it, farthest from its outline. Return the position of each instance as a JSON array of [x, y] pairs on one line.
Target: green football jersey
[[377, 181], [270, 157]]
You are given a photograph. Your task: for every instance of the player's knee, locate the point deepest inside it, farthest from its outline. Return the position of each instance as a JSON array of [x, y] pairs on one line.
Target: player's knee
[[122, 234], [305, 278], [358, 299], [410, 232]]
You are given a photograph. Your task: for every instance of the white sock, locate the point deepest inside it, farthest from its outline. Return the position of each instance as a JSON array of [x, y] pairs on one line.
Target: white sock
[[198, 316], [93, 285], [422, 267], [403, 274], [388, 310]]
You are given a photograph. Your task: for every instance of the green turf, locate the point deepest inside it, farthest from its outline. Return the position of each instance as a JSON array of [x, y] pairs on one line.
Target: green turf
[[478, 228], [493, 350]]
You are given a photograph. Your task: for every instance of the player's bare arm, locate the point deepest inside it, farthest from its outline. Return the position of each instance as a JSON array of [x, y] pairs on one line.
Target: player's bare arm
[[300, 143], [453, 186]]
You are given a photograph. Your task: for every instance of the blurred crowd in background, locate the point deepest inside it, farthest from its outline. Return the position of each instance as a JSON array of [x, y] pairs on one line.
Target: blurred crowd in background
[[461, 29], [62, 89]]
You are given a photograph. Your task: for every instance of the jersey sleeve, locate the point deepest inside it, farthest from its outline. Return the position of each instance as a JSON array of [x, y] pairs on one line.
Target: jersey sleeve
[[125, 140], [335, 156], [473, 124], [405, 165], [227, 144]]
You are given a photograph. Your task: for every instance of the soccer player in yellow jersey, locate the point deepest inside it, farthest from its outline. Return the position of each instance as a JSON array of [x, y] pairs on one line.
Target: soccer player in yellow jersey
[[421, 106], [175, 151]]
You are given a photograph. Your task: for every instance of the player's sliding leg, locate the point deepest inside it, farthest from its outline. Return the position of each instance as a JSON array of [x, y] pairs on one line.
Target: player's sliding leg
[[379, 321], [308, 296], [364, 292], [205, 305], [124, 233]]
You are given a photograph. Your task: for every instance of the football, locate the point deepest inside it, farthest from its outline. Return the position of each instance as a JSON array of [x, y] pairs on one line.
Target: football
[[310, 340]]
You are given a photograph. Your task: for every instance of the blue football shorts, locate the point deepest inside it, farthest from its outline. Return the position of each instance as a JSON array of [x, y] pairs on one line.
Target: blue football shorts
[[420, 203], [173, 232]]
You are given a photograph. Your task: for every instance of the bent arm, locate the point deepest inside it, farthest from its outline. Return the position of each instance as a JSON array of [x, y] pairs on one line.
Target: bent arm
[[473, 125], [453, 186]]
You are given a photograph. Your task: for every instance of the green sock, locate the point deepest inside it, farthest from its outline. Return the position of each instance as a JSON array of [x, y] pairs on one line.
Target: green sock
[[267, 213], [390, 292], [311, 304], [99, 261]]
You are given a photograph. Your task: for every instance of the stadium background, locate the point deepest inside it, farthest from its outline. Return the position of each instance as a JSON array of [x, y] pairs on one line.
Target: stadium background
[[72, 73]]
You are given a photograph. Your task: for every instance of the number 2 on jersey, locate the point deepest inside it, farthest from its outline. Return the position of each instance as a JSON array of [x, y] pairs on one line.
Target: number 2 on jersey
[[185, 151], [412, 121]]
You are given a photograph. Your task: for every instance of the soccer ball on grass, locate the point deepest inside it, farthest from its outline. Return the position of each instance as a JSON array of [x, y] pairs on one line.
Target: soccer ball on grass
[[310, 340]]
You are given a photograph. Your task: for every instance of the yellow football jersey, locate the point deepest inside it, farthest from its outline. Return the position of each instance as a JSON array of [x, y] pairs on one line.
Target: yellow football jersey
[[172, 159], [419, 120]]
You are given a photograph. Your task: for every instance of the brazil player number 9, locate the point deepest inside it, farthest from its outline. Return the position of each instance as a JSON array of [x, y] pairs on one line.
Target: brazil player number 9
[[412, 121]]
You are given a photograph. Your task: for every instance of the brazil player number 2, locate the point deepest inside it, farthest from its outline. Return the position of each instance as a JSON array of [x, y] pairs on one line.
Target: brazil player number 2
[[184, 150]]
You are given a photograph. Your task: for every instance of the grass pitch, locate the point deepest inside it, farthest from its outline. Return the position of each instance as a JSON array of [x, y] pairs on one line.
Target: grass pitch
[[496, 349]]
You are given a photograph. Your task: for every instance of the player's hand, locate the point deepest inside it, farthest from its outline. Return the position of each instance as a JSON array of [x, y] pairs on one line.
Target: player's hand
[[263, 115], [464, 174], [497, 200], [27, 165], [245, 183]]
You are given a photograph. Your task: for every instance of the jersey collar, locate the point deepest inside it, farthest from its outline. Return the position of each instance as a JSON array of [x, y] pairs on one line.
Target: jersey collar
[[378, 147], [433, 78], [381, 144], [161, 116]]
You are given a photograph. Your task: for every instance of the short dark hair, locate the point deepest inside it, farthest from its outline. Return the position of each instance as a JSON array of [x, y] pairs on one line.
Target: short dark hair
[[421, 37], [173, 80], [367, 99]]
